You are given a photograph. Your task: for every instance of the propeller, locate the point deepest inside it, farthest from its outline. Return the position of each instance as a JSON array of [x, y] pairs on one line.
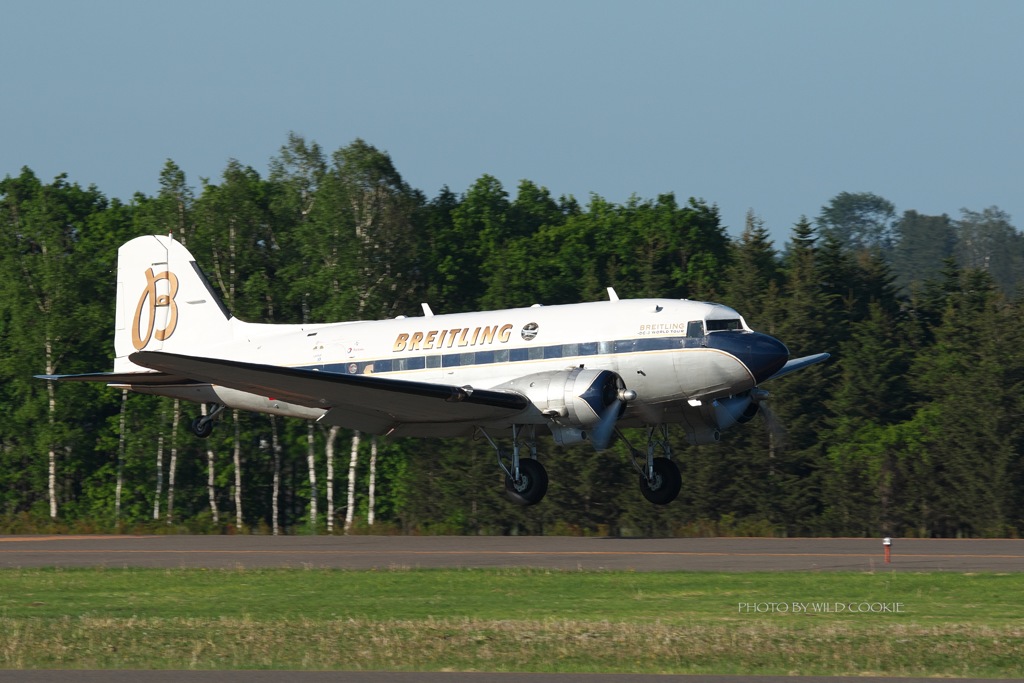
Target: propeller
[[776, 430], [601, 434]]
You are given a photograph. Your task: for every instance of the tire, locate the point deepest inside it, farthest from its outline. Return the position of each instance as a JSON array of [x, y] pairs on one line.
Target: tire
[[666, 484], [202, 429], [532, 486]]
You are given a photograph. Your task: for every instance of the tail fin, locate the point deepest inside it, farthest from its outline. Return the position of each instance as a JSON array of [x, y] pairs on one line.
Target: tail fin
[[164, 302]]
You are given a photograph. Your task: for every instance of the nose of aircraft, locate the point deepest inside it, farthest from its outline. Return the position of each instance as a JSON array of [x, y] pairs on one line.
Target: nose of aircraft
[[763, 355]]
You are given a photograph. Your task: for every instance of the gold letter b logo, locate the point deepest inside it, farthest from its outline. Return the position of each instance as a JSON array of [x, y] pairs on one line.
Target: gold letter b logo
[[155, 301]]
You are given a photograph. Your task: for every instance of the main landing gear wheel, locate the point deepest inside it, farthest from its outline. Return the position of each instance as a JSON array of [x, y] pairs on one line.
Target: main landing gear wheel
[[664, 484], [202, 427], [532, 484]]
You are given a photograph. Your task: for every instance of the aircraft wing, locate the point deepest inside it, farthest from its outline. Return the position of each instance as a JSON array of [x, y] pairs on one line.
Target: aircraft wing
[[799, 364], [135, 378], [366, 402]]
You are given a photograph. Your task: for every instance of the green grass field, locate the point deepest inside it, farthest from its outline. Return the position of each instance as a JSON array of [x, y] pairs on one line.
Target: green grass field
[[935, 624]]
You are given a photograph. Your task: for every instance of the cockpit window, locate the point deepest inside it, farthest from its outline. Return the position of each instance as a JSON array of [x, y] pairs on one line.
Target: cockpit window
[[695, 328], [719, 325]]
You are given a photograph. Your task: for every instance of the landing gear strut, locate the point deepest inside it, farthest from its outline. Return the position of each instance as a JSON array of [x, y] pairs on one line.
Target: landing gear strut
[[660, 480], [526, 480], [202, 426]]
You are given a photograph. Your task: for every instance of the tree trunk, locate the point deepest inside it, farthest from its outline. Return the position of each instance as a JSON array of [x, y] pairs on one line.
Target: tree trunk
[[311, 463], [353, 462], [238, 471], [210, 479], [275, 444], [373, 479], [332, 435], [120, 459], [159, 475], [173, 465], [51, 418]]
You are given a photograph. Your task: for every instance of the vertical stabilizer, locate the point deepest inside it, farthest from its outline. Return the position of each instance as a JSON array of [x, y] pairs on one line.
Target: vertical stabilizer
[[164, 303]]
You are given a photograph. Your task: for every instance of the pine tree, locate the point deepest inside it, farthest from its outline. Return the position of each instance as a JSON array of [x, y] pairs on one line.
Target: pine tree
[[808, 327], [970, 381]]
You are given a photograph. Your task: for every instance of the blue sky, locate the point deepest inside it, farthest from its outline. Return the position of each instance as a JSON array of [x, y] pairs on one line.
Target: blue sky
[[770, 106]]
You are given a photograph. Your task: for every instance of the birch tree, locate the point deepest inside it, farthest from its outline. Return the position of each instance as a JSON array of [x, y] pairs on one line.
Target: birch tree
[[54, 262], [172, 467], [332, 436], [295, 174], [232, 232], [379, 205], [211, 479], [159, 476], [171, 212], [237, 458], [372, 488], [121, 452], [353, 462], [275, 494], [311, 463]]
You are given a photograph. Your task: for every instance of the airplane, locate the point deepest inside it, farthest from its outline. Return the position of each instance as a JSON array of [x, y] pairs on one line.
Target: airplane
[[578, 372]]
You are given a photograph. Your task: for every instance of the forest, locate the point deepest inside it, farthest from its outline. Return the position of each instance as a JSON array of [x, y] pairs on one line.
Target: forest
[[912, 428]]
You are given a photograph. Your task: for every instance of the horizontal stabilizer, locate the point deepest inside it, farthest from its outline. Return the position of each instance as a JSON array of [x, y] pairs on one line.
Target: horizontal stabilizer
[[800, 364]]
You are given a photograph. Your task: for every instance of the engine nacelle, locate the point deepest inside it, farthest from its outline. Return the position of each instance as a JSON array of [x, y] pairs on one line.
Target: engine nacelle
[[704, 421], [572, 399], [726, 412]]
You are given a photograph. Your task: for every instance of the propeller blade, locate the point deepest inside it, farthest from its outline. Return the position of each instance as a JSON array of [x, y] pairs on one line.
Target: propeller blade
[[776, 430], [601, 434]]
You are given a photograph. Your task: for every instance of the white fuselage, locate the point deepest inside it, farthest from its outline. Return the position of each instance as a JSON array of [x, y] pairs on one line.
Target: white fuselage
[[655, 345]]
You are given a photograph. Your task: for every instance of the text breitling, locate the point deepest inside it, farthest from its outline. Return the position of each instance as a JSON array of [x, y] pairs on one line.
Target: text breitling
[[460, 336]]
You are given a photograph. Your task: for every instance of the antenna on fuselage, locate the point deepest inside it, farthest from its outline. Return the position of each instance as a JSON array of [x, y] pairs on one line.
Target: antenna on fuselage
[[612, 296], [426, 309]]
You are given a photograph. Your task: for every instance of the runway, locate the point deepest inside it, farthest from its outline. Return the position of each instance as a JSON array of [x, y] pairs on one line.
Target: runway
[[568, 553]]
